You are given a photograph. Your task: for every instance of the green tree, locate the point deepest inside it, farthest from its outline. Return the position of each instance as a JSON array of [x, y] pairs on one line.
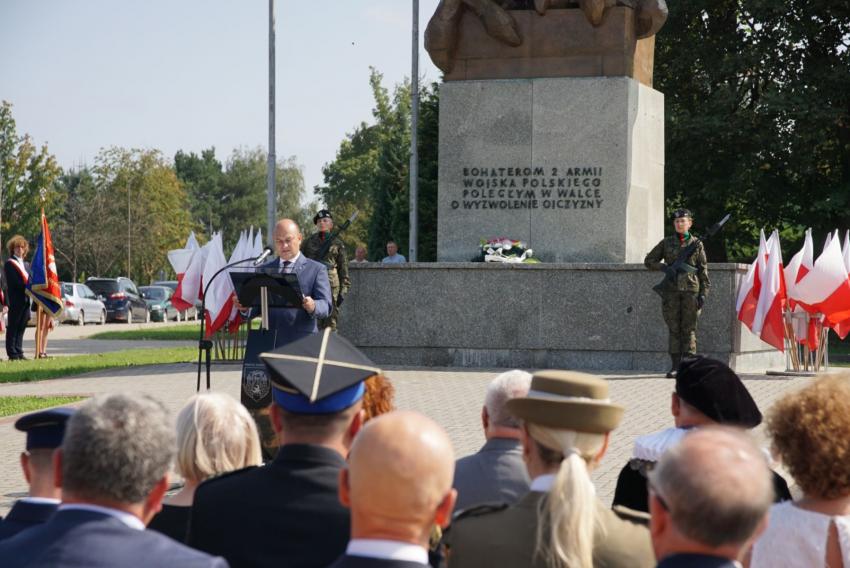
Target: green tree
[[71, 229], [201, 177], [757, 116], [27, 176], [143, 212]]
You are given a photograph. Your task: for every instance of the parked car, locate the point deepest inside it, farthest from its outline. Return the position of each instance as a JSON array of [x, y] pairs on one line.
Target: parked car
[[185, 315], [81, 305], [159, 303], [122, 299]]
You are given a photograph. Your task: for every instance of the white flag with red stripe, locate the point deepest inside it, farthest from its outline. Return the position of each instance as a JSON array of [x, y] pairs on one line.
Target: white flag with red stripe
[[189, 288], [768, 322], [218, 293], [826, 288], [748, 293]]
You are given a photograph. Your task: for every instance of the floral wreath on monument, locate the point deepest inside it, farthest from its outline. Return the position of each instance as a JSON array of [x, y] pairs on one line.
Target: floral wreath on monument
[[503, 249]]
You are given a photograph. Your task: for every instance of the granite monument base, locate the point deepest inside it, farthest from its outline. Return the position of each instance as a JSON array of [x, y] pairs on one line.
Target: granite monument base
[[577, 316], [573, 166]]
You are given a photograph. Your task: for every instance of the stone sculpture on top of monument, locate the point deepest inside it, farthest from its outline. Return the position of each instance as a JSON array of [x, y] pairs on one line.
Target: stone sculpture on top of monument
[[550, 131]]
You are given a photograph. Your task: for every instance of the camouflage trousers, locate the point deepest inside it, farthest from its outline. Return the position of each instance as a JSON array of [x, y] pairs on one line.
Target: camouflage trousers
[[268, 437], [331, 320], [680, 313]]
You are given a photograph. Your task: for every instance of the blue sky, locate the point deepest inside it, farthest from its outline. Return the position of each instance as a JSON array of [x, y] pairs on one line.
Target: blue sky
[[189, 74]]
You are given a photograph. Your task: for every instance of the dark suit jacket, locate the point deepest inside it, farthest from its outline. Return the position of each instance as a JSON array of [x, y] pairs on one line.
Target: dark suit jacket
[[84, 539], [695, 561], [631, 489], [24, 515], [495, 474], [16, 287], [294, 323], [348, 561], [284, 514]]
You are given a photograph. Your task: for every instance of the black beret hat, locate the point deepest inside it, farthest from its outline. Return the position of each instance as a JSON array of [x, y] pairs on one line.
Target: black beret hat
[[678, 213], [322, 214], [46, 428], [715, 390]]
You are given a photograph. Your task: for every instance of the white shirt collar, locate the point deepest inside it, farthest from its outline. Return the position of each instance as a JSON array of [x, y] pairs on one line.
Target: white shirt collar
[[131, 521], [543, 483], [387, 549], [41, 500], [293, 261]]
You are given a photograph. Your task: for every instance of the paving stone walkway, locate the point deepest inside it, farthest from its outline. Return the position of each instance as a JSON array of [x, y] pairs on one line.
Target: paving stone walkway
[[453, 397]]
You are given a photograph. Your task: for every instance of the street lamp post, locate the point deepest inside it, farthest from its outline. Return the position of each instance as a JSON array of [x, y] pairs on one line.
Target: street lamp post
[[271, 200]]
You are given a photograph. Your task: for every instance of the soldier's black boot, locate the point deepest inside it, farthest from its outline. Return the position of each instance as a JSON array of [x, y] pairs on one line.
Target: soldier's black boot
[[674, 359]]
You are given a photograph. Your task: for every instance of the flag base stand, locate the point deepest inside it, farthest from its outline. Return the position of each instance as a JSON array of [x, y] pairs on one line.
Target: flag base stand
[[791, 373]]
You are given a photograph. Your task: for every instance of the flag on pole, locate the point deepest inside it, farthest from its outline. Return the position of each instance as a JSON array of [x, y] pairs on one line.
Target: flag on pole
[[768, 322], [218, 294], [43, 287], [192, 242], [748, 294], [826, 288], [189, 287]]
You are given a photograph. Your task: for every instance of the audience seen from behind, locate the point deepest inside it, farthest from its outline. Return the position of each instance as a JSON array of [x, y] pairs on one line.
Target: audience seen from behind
[[113, 467], [709, 498], [707, 393], [398, 487], [567, 418], [44, 431], [810, 431], [287, 513], [215, 435], [496, 473]]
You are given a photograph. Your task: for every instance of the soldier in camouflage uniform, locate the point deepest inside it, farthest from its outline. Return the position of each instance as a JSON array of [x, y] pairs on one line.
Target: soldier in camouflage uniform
[[336, 260], [684, 291]]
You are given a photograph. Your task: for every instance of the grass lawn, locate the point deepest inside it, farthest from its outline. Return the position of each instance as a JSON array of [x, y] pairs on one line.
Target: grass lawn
[[169, 332], [41, 369], [10, 405]]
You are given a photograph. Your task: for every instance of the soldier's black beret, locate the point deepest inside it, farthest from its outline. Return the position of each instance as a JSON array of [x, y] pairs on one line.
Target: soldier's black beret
[[678, 213], [322, 214], [44, 429], [715, 390]]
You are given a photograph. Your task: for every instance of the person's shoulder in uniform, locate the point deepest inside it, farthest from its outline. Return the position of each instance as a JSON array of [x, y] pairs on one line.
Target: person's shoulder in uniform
[[626, 541], [488, 535], [224, 483]]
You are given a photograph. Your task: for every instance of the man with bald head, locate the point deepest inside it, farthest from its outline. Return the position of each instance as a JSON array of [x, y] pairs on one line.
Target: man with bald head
[[709, 499], [286, 324], [398, 485]]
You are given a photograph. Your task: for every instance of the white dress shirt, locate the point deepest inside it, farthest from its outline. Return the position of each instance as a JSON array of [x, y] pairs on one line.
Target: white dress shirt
[[387, 550]]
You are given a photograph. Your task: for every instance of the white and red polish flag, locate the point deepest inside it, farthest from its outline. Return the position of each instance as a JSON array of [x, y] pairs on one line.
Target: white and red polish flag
[[748, 293], [826, 288], [189, 288], [768, 322], [218, 294], [241, 251], [180, 260]]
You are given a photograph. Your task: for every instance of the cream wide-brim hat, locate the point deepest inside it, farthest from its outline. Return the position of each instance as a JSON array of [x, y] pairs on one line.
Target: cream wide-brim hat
[[568, 400]]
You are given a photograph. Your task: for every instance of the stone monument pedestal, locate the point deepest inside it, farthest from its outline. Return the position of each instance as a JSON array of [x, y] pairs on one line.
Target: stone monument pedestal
[[564, 316], [573, 166]]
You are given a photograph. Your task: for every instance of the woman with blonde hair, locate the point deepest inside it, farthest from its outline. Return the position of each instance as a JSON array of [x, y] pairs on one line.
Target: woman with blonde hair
[[810, 432], [215, 435], [560, 523]]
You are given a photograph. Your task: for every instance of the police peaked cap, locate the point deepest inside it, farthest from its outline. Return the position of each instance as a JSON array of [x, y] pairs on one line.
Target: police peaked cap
[[44, 429], [715, 390], [318, 374], [322, 214]]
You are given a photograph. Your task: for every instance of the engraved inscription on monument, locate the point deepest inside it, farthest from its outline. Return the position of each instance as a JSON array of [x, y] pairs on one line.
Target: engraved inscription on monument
[[531, 187]]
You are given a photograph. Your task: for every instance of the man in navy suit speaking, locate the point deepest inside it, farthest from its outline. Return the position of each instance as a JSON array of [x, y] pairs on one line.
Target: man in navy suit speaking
[[286, 324]]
